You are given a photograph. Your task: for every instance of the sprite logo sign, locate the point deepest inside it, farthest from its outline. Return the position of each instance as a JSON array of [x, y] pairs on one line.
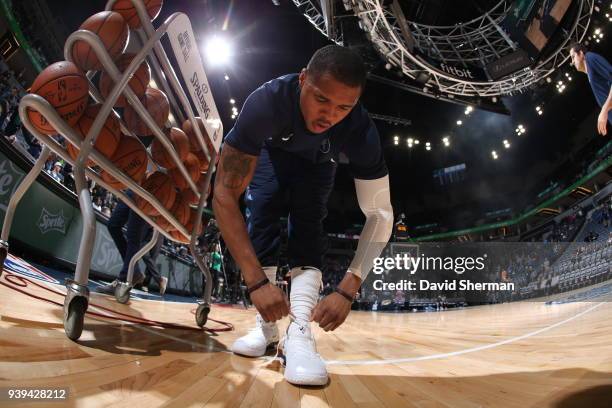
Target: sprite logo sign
[[52, 222], [10, 178]]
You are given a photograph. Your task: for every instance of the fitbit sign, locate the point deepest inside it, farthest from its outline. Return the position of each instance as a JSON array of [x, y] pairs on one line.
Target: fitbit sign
[[457, 72]]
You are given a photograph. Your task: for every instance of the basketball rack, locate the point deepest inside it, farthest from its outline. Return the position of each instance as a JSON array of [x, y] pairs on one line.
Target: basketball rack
[[178, 28]]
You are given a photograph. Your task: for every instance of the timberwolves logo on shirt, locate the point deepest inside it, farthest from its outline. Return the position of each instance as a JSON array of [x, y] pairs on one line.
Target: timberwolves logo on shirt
[[325, 146], [19, 266]]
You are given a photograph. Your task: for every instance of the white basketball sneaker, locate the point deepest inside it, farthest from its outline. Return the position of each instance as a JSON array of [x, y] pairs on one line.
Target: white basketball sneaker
[[303, 365], [257, 341]]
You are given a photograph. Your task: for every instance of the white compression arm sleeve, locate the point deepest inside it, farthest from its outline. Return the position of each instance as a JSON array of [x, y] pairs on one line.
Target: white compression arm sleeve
[[375, 202]]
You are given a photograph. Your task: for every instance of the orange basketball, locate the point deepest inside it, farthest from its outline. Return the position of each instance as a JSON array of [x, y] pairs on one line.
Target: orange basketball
[[193, 140], [204, 163], [164, 224], [128, 11], [162, 187], [73, 152], [181, 209], [108, 138], [190, 196], [189, 225], [177, 236], [193, 168], [65, 87], [138, 83], [179, 140], [156, 103], [113, 32], [131, 158]]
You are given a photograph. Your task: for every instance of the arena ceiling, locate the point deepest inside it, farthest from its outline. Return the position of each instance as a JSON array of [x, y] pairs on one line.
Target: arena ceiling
[[272, 40]]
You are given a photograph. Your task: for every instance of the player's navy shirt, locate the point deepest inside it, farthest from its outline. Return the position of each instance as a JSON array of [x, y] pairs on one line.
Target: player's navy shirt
[[599, 71], [271, 116]]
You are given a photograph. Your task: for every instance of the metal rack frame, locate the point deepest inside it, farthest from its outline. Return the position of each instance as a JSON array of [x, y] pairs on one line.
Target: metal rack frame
[[77, 295]]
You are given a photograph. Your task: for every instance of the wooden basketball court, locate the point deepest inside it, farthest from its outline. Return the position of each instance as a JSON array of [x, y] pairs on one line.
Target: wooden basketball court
[[525, 354]]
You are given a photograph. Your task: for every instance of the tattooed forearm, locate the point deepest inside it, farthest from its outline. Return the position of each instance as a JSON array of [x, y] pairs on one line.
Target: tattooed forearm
[[235, 166]]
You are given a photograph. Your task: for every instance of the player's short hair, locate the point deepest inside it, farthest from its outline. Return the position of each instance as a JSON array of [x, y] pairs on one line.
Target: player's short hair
[[578, 47], [344, 64]]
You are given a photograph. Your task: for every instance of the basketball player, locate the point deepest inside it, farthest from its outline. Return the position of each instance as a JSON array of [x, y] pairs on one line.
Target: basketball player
[[599, 72], [285, 147]]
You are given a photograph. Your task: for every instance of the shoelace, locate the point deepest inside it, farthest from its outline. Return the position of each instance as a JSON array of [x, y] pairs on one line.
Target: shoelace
[[282, 341]]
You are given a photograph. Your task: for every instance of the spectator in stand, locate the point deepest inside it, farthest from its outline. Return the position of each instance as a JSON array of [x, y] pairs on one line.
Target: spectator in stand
[[56, 172], [97, 204]]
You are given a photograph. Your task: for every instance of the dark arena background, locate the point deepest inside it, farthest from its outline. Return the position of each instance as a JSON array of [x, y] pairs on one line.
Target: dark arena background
[[494, 289]]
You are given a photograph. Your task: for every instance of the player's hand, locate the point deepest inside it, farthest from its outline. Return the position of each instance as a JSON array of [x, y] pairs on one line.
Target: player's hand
[[270, 302], [331, 312], [602, 122]]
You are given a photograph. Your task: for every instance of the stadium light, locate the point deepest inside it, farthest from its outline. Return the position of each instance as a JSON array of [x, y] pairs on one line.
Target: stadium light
[[218, 51], [560, 87], [459, 123], [226, 77], [232, 101]]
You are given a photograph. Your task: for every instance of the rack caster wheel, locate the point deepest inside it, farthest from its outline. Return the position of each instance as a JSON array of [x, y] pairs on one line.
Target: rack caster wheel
[[202, 314], [75, 306], [75, 317], [122, 293]]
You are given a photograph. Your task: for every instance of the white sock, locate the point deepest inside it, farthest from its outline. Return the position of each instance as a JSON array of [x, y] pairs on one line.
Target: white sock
[[305, 285]]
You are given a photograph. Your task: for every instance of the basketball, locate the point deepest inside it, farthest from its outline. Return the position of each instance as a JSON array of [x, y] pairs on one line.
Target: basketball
[[129, 13], [193, 140], [181, 209], [177, 236], [66, 88], [190, 196], [156, 103], [189, 226], [108, 139], [113, 32], [204, 163], [162, 187], [138, 84], [164, 224], [131, 158], [179, 140], [193, 168]]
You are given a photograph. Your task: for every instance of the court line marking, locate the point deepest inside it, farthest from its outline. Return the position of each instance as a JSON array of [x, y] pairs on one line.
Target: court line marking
[[396, 360], [465, 351]]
